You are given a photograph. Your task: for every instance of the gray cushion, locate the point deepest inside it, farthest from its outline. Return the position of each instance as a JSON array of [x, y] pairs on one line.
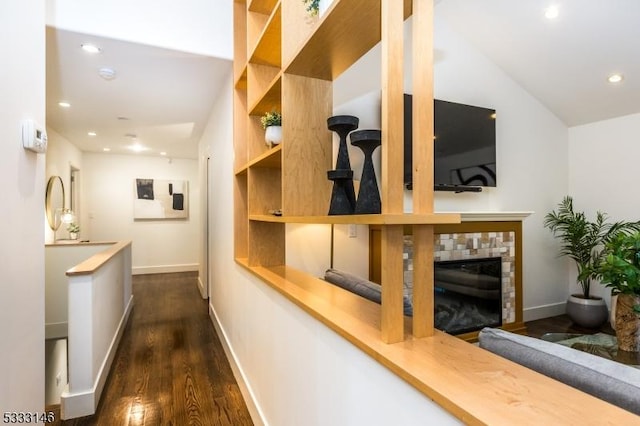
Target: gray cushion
[[611, 381], [362, 287]]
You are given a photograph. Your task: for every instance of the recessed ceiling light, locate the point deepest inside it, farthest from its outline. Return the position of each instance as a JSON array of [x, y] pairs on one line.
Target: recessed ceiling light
[[90, 48], [91, 133], [552, 12], [615, 78], [163, 153], [64, 104], [106, 149], [136, 147]]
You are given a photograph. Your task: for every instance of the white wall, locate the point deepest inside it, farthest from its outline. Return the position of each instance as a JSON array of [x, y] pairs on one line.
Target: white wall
[[603, 173], [61, 155], [532, 154], [22, 46], [158, 245], [196, 26], [55, 370], [298, 370]]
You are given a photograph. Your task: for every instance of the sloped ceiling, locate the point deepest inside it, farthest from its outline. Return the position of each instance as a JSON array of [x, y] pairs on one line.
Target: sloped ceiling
[[563, 62]]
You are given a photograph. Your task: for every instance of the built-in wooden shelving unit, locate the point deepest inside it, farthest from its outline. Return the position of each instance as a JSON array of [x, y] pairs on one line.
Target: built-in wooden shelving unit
[[288, 62]]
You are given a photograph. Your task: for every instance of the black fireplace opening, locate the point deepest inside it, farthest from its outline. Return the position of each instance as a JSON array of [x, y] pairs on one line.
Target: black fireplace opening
[[468, 294]]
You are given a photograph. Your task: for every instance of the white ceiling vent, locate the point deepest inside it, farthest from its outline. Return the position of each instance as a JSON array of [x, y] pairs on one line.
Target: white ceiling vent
[[107, 73]]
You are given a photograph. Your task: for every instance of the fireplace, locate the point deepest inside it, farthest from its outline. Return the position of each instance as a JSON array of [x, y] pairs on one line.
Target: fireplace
[[481, 236], [468, 294]]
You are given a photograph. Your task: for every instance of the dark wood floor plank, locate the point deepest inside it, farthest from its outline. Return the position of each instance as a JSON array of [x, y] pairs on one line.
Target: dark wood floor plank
[[563, 324], [170, 368]]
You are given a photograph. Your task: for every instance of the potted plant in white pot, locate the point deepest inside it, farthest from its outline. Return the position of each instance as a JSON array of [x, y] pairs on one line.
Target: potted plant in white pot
[[583, 241], [272, 124], [73, 229], [620, 271]]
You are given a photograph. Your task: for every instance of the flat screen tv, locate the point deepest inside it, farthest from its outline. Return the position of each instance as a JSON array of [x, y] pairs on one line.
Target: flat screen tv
[[464, 146]]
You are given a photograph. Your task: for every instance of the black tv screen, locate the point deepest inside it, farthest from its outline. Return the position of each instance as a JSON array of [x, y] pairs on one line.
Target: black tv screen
[[464, 144]]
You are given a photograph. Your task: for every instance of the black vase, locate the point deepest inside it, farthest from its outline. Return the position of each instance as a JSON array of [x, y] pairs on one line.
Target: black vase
[[343, 195], [368, 195]]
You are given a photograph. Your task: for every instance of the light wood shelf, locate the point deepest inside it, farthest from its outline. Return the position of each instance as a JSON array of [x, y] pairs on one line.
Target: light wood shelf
[[365, 219], [262, 6], [241, 80], [240, 39], [348, 30], [270, 159], [268, 50], [268, 99]]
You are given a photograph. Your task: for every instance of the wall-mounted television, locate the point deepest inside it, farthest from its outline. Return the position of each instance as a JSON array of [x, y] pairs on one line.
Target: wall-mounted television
[[464, 146]]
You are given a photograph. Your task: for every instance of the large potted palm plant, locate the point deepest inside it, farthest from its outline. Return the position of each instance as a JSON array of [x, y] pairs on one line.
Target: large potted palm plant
[[583, 241], [620, 271]]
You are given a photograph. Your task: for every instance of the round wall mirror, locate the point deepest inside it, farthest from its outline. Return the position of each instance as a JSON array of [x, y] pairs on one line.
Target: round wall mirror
[[54, 202]]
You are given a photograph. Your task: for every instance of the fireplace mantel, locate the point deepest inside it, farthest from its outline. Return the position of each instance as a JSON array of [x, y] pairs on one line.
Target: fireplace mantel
[[492, 216]]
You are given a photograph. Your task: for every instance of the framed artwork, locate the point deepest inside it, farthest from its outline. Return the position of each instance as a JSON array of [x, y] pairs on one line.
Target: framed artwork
[[161, 199]]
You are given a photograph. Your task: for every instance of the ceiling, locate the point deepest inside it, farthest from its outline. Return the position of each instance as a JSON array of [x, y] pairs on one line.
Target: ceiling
[[165, 96], [159, 98], [564, 62]]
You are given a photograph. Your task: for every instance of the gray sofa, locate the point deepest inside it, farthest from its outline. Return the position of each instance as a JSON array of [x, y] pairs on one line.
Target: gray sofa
[[611, 381]]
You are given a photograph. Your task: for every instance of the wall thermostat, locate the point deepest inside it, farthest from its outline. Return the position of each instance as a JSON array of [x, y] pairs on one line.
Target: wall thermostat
[[34, 137]]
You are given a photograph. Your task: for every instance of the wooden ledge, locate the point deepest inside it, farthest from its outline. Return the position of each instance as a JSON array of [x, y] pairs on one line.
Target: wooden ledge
[[366, 219], [475, 385], [96, 261], [76, 243]]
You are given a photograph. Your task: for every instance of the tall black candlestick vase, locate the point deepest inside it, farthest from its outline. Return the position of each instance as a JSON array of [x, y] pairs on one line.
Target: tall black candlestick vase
[[343, 195], [368, 196]]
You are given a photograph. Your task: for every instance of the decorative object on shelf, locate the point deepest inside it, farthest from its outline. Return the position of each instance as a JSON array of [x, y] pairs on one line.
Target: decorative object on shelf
[[620, 271], [313, 6], [272, 124], [343, 195], [68, 217], [368, 201], [582, 241], [73, 229]]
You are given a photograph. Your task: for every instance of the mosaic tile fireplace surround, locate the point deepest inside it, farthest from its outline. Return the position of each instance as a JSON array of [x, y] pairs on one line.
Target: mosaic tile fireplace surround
[[479, 236], [474, 245]]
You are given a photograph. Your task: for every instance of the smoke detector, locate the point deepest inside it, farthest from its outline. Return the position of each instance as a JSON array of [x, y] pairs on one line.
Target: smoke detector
[[107, 73]]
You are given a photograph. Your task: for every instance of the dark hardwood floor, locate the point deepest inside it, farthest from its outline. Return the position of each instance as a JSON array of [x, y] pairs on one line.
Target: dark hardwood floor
[[170, 368], [562, 324]]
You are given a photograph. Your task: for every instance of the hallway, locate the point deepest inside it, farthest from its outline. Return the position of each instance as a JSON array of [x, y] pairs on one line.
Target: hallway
[[170, 368]]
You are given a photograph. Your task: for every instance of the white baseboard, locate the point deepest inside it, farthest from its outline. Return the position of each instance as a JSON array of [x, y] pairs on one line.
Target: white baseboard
[[254, 410], [80, 404], [203, 291], [544, 311], [164, 269]]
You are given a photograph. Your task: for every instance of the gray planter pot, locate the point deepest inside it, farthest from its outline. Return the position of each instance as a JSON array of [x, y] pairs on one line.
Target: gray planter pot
[[589, 313]]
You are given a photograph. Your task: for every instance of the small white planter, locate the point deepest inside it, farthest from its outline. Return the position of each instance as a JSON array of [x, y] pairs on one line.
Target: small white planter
[[273, 135]]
